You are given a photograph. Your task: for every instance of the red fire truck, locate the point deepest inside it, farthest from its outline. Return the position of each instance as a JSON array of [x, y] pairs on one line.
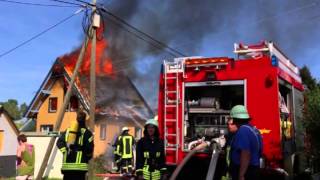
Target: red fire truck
[[197, 93]]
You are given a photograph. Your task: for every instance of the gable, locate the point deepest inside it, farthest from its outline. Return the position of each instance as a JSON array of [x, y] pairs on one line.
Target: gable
[[6, 122], [40, 97], [50, 88], [9, 135], [56, 91], [116, 95]]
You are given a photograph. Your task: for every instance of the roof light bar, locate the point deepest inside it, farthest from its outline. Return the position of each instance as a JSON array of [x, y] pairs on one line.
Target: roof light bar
[[207, 61]]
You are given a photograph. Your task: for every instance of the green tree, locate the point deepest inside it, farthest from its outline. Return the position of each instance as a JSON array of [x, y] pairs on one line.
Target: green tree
[[23, 108], [11, 106], [312, 123], [311, 116], [307, 78]]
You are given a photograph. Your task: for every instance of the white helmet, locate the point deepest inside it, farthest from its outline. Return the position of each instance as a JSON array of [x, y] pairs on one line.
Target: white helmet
[[125, 129]]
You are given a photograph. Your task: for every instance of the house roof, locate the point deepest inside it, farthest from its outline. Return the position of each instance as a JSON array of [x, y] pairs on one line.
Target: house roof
[[10, 119], [28, 126], [36, 100], [116, 95]]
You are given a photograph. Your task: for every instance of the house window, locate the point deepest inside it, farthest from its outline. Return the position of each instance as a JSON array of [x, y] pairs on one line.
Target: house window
[[46, 128], [103, 131], [74, 105], [53, 104], [138, 133], [1, 139]]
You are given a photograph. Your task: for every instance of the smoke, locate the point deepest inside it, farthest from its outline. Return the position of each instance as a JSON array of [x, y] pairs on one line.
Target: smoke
[[206, 28]]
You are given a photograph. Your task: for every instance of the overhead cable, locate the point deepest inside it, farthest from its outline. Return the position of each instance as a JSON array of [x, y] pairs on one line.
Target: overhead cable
[[39, 34]]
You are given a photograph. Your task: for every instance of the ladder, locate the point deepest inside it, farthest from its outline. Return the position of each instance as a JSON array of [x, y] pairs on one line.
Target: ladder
[[171, 106]]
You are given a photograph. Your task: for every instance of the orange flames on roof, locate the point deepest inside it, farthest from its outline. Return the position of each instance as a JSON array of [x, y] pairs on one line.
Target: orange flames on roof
[[103, 62]]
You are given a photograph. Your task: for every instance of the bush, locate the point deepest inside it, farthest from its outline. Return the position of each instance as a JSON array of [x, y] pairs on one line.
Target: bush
[[98, 166], [312, 125]]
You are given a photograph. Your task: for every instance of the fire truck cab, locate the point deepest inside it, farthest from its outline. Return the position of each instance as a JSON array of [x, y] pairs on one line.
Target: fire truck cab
[[196, 95]]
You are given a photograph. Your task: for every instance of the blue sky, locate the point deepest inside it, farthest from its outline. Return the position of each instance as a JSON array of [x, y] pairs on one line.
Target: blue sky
[[23, 70]]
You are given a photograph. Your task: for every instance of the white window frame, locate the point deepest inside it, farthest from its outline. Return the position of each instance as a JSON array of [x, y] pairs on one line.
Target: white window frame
[[46, 127], [103, 131], [49, 105]]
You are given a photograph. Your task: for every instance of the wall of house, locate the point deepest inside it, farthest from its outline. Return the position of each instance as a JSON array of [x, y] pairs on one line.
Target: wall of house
[[41, 143], [113, 129], [101, 145], [8, 147], [8, 166], [10, 143], [45, 117]]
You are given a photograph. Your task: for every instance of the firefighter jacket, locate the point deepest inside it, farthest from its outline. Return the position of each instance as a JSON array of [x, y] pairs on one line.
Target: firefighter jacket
[[76, 156], [150, 160], [124, 146]]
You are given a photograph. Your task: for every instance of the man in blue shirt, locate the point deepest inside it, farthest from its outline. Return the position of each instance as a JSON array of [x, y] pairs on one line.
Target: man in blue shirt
[[246, 146]]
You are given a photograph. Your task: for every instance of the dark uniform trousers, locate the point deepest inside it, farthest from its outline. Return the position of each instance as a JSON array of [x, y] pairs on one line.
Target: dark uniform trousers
[[124, 153], [252, 172], [150, 159]]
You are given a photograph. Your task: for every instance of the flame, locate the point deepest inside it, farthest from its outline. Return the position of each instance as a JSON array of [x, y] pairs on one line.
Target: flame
[[104, 66], [103, 62]]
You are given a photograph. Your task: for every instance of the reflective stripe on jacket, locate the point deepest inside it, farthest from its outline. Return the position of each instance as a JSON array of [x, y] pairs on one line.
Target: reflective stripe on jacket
[[150, 159], [126, 147], [76, 156]]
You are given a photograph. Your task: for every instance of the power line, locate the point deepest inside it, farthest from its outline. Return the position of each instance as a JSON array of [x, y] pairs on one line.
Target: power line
[[35, 4], [118, 64], [116, 18], [125, 60], [139, 31], [258, 21], [66, 2], [39, 34], [140, 37], [85, 2]]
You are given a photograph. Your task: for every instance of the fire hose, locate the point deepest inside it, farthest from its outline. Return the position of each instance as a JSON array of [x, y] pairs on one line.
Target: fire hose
[[186, 159], [216, 146], [213, 162]]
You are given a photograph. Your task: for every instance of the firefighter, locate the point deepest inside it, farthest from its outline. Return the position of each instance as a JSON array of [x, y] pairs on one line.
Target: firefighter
[[76, 144], [150, 163], [232, 129], [124, 151], [116, 153], [246, 146]]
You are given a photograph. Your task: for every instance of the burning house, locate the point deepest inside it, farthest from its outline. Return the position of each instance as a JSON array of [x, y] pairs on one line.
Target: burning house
[[118, 102]]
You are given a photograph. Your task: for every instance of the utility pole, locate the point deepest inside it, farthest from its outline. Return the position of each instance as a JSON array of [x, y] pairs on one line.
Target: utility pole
[[62, 111], [93, 33], [92, 30]]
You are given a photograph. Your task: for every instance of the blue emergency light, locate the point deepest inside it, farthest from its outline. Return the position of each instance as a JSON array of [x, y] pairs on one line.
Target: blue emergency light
[[274, 60]]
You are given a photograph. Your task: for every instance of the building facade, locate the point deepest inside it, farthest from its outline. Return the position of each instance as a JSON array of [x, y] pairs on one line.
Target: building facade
[[8, 144]]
